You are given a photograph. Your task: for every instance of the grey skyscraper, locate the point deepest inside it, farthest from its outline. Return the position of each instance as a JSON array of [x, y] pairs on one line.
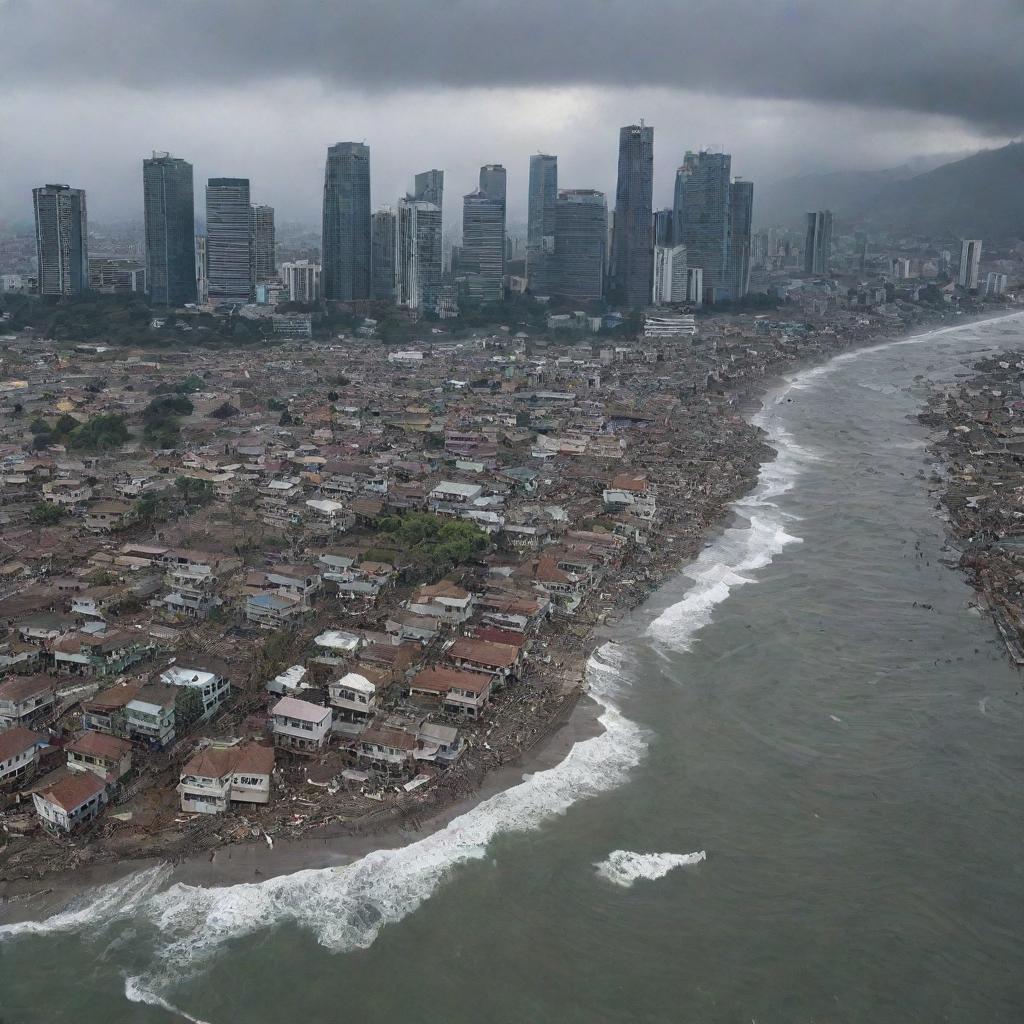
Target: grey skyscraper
[[264, 249], [346, 243], [383, 231], [701, 206], [818, 242], [633, 236], [664, 231], [741, 212], [581, 230], [970, 263], [62, 239], [482, 259], [540, 224], [430, 187], [169, 210], [229, 240], [418, 258]]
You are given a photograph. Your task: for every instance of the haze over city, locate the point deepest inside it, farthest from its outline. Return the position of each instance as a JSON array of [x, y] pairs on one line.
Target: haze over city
[[246, 89]]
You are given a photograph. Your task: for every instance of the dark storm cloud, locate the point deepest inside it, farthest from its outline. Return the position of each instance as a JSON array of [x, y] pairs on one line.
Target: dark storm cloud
[[940, 56]]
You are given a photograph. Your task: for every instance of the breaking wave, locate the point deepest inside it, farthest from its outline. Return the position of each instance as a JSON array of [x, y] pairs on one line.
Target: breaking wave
[[346, 907], [623, 867]]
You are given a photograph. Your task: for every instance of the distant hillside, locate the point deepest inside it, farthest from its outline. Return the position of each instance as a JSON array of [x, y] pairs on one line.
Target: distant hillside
[[981, 195], [844, 192]]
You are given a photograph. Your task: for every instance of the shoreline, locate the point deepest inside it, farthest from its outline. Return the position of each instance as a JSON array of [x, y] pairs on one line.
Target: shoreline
[[576, 720]]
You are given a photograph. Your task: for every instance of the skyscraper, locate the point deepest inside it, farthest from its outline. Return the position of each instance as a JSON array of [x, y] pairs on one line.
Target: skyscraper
[[633, 236], [229, 240], [581, 228], [302, 279], [62, 239], [701, 206], [346, 223], [169, 211], [818, 243], [383, 231], [418, 256], [741, 212], [970, 262], [264, 249], [670, 278], [482, 259], [664, 228], [430, 187], [540, 224]]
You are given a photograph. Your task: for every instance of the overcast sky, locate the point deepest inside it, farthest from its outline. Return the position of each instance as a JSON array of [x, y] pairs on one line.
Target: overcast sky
[[257, 89]]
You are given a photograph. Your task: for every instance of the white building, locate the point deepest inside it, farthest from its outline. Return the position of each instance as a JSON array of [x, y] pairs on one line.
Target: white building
[[354, 696], [302, 280], [682, 325], [300, 726], [72, 801], [223, 773], [212, 688], [995, 284], [669, 275]]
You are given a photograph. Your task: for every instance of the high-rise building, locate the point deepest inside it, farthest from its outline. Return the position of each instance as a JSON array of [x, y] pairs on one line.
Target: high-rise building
[[482, 259], [383, 235], [301, 280], [995, 283], [818, 243], [418, 256], [169, 211], [701, 207], [741, 212], [202, 278], [633, 236], [117, 275], [970, 263], [62, 239], [664, 230], [695, 286], [346, 240], [429, 187], [229, 261], [540, 223], [670, 280], [264, 249], [581, 231]]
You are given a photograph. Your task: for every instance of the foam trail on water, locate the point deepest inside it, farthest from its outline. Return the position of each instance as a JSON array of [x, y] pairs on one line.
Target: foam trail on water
[[135, 993], [624, 867], [104, 904], [346, 907]]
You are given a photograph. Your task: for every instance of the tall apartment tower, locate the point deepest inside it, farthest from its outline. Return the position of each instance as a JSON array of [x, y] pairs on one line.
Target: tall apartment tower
[[482, 259], [169, 212], [664, 229], [429, 187], [701, 206], [581, 231], [633, 236], [542, 200], [264, 250], [62, 239], [302, 280], [229, 262], [670, 275], [383, 236], [818, 243], [418, 256], [970, 263], [741, 215], [346, 241]]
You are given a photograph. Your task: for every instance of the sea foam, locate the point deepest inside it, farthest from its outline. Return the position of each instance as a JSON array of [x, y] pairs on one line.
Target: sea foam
[[624, 867]]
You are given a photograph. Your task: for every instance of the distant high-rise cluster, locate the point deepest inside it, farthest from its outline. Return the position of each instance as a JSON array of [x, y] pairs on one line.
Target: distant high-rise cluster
[[576, 249], [62, 239]]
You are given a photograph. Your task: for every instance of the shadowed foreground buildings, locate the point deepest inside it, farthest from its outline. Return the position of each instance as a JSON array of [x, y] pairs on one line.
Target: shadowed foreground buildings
[[62, 247], [169, 211], [633, 233], [346, 258]]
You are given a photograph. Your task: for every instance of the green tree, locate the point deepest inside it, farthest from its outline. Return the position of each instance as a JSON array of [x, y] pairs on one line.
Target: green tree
[[195, 492], [39, 426], [188, 708], [100, 433], [43, 513]]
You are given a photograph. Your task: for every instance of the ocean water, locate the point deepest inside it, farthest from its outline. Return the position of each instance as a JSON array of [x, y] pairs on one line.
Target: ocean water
[[806, 804]]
